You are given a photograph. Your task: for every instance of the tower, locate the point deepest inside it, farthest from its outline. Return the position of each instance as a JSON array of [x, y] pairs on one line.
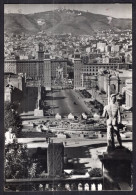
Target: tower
[[77, 70], [65, 55], [40, 51], [47, 71]]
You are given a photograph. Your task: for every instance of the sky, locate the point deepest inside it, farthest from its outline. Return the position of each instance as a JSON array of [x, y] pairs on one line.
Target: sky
[[113, 10]]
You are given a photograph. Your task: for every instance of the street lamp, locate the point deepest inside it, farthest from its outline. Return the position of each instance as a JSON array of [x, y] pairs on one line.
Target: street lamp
[[52, 103], [109, 77]]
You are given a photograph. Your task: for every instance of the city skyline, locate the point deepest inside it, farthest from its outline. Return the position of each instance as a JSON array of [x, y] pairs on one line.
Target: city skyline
[[112, 10]]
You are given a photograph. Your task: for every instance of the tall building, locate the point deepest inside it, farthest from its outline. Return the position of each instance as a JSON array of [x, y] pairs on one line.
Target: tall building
[[47, 71], [101, 46], [40, 70], [40, 51], [93, 68], [77, 70], [14, 87], [84, 73]]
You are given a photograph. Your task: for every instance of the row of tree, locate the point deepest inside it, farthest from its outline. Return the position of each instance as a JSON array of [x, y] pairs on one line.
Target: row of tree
[[11, 118]]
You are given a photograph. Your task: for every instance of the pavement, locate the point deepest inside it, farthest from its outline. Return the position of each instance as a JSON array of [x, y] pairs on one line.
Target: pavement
[[62, 102], [71, 142], [82, 154], [58, 101]]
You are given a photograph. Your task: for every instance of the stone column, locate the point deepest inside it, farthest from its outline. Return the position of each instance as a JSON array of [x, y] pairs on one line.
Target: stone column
[[109, 89], [38, 111], [39, 96], [82, 78], [55, 159]]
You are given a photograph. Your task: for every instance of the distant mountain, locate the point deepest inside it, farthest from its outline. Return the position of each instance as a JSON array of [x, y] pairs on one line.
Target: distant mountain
[[63, 21]]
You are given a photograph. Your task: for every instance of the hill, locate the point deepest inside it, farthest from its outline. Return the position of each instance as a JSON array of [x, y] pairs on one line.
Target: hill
[[63, 21]]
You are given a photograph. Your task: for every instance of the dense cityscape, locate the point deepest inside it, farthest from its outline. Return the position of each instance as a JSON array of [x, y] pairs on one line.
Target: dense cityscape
[[56, 89], [103, 44]]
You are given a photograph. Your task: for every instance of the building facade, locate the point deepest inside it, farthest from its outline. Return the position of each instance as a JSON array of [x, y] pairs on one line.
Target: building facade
[[89, 81], [78, 84], [83, 73], [14, 87], [42, 69], [46, 72], [94, 68], [116, 81]]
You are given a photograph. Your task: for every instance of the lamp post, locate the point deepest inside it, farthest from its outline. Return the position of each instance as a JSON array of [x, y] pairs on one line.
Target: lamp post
[[39, 93], [109, 76], [52, 103], [82, 78]]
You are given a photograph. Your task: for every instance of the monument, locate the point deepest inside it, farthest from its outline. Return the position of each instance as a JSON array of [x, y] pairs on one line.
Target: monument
[[113, 115], [38, 111], [116, 162], [55, 159], [59, 73]]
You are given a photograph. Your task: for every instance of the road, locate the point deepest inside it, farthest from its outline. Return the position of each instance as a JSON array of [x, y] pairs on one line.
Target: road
[[62, 102]]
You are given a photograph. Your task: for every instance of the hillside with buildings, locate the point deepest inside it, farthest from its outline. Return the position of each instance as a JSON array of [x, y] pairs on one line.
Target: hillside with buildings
[[63, 21]]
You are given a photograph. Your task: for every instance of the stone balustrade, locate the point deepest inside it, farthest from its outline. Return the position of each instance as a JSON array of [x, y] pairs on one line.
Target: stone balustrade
[[56, 184]]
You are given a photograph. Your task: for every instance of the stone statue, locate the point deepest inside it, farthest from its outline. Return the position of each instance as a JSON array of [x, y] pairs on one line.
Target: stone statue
[[112, 113], [9, 136]]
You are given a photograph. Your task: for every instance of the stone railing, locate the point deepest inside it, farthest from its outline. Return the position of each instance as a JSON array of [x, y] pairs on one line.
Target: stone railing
[[57, 184]]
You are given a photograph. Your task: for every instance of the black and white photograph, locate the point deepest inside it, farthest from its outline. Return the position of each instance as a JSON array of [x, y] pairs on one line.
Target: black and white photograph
[[68, 97]]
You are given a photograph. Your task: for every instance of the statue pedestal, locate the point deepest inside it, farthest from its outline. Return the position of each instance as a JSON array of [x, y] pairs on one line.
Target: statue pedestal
[[117, 169], [38, 112]]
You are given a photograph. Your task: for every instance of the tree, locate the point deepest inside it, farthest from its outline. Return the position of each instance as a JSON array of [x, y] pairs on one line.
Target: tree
[[16, 161], [11, 118]]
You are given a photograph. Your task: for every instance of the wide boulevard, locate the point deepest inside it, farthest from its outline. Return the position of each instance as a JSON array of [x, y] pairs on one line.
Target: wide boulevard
[[65, 101]]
